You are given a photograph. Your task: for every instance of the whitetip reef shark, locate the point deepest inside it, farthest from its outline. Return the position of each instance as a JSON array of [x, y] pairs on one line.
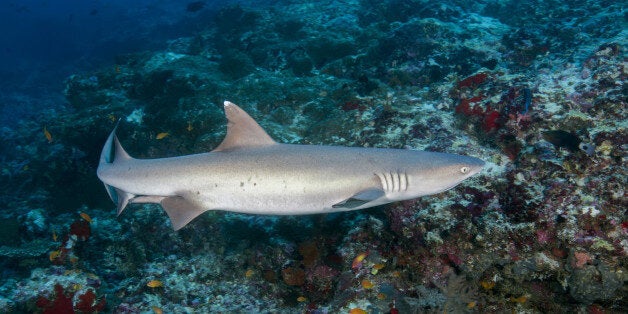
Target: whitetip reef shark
[[251, 173]]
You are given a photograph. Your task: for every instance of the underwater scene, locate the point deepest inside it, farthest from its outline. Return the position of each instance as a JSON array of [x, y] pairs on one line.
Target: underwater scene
[[444, 156]]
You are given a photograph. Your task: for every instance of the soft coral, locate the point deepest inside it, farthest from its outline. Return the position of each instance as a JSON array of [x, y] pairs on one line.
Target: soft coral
[[88, 303], [62, 303]]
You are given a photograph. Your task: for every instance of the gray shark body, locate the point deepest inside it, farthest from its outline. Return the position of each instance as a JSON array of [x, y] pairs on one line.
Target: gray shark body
[[251, 173]]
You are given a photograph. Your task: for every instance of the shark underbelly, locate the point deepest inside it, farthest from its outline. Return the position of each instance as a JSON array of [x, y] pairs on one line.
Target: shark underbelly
[[262, 182]]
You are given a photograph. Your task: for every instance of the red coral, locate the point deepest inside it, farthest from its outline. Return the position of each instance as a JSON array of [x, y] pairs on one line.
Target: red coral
[[464, 107], [473, 81], [491, 120], [81, 229], [581, 259], [60, 304], [88, 303]]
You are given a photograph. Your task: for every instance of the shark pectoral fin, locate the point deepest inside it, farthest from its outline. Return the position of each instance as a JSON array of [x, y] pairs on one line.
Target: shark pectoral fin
[[360, 199], [181, 210]]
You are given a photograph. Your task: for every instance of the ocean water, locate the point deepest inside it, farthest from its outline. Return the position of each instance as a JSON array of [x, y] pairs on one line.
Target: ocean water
[[535, 89]]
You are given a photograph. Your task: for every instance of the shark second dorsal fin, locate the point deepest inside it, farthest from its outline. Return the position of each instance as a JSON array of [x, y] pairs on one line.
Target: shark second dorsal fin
[[242, 130]]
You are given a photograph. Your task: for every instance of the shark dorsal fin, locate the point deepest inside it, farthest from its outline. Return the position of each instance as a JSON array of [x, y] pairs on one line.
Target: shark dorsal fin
[[242, 131]]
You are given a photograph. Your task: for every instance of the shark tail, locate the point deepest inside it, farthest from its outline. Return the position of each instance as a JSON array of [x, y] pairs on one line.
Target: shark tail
[[112, 153]]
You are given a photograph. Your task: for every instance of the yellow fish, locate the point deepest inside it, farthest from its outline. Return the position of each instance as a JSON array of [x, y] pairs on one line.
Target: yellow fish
[[367, 284], [47, 135], [86, 217], [190, 127], [54, 255], [487, 285], [376, 268], [249, 273], [54, 236], [521, 299], [357, 261], [357, 311], [162, 135], [157, 310], [155, 284], [301, 299]]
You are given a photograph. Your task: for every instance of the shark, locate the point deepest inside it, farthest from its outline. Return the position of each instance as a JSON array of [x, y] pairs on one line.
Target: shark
[[251, 173]]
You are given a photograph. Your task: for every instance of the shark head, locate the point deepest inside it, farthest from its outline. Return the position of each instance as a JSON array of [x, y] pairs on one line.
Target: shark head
[[442, 173]]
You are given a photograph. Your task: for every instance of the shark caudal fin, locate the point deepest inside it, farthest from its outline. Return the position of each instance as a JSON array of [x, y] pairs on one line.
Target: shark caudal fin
[[111, 154]]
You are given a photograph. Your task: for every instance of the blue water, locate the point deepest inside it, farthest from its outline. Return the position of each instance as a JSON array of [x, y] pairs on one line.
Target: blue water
[[536, 89], [43, 42]]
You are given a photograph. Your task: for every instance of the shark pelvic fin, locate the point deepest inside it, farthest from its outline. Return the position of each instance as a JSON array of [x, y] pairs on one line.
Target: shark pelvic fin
[[181, 211], [111, 153], [360, 199], [242, 130], [121, 198]]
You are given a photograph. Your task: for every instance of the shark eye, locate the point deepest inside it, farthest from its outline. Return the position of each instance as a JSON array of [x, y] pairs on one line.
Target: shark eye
[[464, 170]]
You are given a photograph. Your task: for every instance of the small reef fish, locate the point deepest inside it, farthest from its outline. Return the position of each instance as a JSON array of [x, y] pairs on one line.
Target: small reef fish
[[251, 173], [356, 310], [155, 284], [301, 299], [47, 135], [86, 217], [162, 135], [249, 273], [487, 285], [357, 261], [157, 310], [522, 299], [54, 255], [367, 284]]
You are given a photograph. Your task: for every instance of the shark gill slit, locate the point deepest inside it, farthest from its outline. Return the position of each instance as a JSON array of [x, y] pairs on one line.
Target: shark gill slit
[[396, 181], [404, 182], [382, 181], [395, 176]]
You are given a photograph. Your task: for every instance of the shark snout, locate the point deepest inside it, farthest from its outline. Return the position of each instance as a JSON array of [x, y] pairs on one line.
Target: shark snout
[[475, 165]]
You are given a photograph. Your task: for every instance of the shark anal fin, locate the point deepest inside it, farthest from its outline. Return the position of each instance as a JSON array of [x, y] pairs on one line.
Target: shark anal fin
[[242, 130], [360, 199], [181, 210]]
